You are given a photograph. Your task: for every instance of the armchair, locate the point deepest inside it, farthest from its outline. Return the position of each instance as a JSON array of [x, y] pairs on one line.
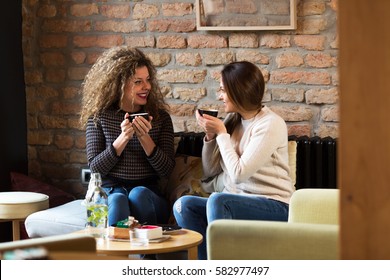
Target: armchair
[[310, 233]]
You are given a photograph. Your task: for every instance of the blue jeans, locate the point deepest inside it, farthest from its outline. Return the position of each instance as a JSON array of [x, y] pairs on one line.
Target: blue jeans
[[194, 213], [140, 202]]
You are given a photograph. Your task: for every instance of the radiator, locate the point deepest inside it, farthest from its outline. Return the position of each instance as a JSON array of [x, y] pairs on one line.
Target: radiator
[[316, 158], [316, 162]]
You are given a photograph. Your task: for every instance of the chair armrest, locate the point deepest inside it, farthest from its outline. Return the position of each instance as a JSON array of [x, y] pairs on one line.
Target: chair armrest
[[269, 240], [67, 242]]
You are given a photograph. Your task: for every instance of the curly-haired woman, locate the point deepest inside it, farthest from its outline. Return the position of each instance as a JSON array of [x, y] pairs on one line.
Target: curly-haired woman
[[131, 155]]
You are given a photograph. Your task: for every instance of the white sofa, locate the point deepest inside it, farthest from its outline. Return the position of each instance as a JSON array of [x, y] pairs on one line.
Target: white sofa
[[66, 218]]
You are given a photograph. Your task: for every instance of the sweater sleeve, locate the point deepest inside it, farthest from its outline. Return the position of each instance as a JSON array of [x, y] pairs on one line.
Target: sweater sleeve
[[258, 147], [163, 158], [101, 157]]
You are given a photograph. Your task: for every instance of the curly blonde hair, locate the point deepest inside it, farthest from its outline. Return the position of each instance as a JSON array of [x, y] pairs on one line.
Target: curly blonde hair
[[104, 84]]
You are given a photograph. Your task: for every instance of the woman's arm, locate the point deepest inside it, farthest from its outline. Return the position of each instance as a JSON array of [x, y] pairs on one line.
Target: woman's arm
[[162, 157], [258, 146], [100, 158]]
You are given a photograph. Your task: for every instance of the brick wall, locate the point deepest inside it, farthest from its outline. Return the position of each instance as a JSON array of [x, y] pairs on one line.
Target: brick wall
[[63, 38]]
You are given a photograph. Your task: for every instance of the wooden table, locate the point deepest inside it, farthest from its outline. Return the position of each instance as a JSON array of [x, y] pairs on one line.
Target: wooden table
[[182, 240]]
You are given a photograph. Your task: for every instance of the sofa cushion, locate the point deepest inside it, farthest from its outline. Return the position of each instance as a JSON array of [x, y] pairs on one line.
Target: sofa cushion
[[186, 178], [66, 218], [21, 182]]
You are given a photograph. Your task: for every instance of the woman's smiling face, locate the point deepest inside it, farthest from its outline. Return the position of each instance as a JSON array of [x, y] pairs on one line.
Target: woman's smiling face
[[136, 90]]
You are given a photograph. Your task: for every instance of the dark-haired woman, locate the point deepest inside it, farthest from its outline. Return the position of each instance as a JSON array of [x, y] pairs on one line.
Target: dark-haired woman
[[245, 158]]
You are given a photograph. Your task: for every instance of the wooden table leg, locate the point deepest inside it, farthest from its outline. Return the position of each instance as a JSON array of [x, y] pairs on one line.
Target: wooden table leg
[[16, 229], [193, 253]]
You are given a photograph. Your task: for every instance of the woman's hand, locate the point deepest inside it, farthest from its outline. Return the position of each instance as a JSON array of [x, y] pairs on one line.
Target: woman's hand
[[212, 126], [142, 126], [127, 128]]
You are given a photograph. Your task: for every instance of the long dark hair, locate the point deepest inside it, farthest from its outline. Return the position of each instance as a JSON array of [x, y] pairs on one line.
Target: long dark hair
[[244, 85]]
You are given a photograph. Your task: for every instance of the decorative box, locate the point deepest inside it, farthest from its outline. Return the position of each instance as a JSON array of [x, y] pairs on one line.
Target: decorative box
[[146, 232], [118, 233]]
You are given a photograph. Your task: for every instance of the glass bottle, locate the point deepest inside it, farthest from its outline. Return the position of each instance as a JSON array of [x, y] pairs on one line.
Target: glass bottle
[[96, 202]]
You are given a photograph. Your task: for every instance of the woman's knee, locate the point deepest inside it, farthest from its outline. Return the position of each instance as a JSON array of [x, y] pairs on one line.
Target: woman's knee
[[117, 198], [139, 191], [188, 205]]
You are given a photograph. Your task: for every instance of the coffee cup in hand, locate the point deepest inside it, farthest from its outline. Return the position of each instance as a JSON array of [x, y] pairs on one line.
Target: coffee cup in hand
[[144, 115], [208, 111]]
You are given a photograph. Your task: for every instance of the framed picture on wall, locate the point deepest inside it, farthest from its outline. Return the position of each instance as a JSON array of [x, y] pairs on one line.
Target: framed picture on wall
[[246, 14]]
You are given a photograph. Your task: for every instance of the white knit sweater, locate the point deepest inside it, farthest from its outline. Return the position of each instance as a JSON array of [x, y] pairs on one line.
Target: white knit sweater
[[254, 158]]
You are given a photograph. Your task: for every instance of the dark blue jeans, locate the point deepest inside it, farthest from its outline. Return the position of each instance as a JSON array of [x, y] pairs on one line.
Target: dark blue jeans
[[194, 213], [140, 202]]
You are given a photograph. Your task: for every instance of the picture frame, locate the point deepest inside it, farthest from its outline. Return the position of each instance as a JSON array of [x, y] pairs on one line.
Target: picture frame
[[219, 15]]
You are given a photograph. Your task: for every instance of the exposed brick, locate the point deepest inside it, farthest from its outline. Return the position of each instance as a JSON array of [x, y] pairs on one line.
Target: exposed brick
[[171, 42], [288, 94], [56, 156], [293, 113], [80, 142], [172, 25], [78, 57], [48, 121], [299, 129], [322, 96], [159, 59], [308, 42], [300, 77], [52, 59], [311, 25], [189, 59], [65, 108], [309, 8], [244, 40], [59, 26], [182, 76], [176, 9], [183, 110], [254, 56], [328, 129], [115, 11], [289, 59], [77, 73], [188, 94], [55, 75], [120, 27], [275, 41], [320, 60], [330, 114], [83, 10], [47, 11], [333, 4], [78, 157], [218, 57], [53, 41], [92, 57], [104, 41], [43, 137], [70, 92], [33, 77], [142, 11], [207, 41], [63, 142], [140, 41], [34, 107]]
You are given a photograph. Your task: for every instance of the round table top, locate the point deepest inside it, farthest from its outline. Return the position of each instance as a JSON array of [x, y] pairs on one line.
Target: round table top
[[180, 240], [18, 205], [21, 197]]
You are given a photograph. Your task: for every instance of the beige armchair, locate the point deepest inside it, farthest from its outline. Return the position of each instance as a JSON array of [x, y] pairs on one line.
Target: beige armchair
[[311, 232]]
